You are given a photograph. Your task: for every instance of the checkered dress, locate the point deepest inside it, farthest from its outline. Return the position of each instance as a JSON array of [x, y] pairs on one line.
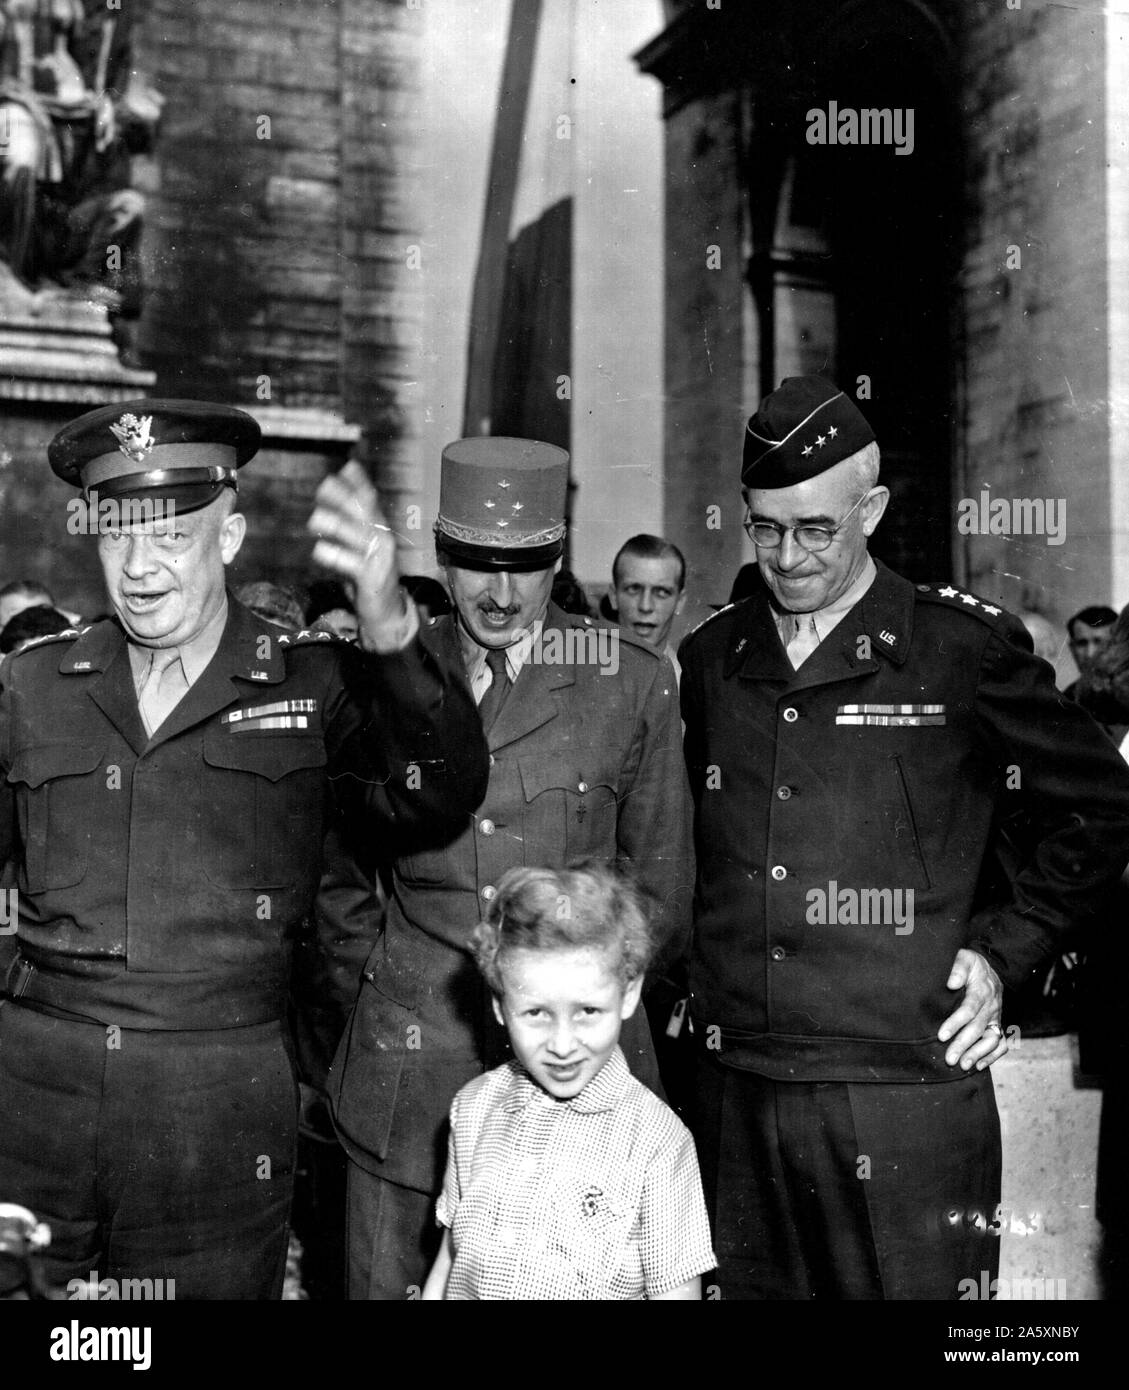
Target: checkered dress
[[598, 1197]]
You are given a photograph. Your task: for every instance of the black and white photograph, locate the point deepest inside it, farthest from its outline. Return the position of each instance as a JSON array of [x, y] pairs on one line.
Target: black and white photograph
[[564, 668]]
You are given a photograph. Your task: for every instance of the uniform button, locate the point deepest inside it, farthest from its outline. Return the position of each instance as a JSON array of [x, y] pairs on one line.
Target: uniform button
[[370, 975], [778, 953], [791, 715], [486, 827], [779, 872], [582, 786], [784, 793], [491, 759], [489, 893]]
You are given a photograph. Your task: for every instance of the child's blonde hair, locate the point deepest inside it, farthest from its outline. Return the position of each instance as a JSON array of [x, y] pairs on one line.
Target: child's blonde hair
[[588, 904]]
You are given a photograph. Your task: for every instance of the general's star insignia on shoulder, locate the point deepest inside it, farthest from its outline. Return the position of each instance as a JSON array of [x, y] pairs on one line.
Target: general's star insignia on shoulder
[[308, 635], [958, 596], [708, 619], [67, 634]]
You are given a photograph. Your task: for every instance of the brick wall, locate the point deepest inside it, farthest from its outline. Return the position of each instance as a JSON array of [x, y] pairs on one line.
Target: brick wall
[[709, 341], [279, 261], [285, 257], [1036, 410]]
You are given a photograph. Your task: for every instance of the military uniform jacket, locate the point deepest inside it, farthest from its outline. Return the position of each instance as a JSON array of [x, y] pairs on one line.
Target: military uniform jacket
[[881, 769], [161, 879], [582, 764]]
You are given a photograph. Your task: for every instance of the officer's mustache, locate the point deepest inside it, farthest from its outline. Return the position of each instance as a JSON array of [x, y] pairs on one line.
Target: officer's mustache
[[489, 606]]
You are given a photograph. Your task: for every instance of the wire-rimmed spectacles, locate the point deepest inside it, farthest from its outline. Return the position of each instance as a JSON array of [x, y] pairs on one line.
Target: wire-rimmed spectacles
[[769, 534]]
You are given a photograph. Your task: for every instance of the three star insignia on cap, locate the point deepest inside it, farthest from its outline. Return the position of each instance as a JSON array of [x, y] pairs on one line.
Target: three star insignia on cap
[[967, 599], [821, 440]]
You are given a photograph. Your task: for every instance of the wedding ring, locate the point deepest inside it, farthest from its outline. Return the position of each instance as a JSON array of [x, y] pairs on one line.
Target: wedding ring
[[994, 1028]]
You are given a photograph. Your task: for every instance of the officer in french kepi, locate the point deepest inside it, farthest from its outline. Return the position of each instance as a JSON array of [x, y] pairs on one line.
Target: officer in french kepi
[[168, 772], [585, 761], [853, 741]]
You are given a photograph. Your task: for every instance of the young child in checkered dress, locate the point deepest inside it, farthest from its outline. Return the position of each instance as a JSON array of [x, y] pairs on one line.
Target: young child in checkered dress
[[566, 1178]]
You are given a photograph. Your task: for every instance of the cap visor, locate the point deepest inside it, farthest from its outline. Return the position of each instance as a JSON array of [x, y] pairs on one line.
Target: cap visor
[[516, 560], [138, 505]]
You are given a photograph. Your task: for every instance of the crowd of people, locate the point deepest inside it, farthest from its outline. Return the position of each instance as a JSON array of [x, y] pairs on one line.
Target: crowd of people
[[604, 970]]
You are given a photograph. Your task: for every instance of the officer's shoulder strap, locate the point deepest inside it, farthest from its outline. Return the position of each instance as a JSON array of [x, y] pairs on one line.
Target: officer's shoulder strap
[[68, 634], [308, 637], [960, 600], [710, 618]]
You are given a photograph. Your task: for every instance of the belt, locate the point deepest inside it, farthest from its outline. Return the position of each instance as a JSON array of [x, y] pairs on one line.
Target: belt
[[111, 995]]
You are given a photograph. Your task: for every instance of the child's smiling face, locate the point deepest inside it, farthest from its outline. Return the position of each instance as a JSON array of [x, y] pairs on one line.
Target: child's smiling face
[[563, 1011]]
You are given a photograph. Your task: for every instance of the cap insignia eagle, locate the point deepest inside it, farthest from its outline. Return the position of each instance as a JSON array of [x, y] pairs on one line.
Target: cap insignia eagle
[[134, 439]]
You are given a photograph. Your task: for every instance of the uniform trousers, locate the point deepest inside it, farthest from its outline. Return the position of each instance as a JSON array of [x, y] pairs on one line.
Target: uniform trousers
[[393, 1237], [151, 1155], [846, 1191]]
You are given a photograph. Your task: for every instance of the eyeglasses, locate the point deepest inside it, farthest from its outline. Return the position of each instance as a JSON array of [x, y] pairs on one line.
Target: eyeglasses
[[769, 534]]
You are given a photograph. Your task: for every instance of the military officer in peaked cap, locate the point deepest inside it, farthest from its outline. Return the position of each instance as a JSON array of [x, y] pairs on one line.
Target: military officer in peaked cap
[[167, 773], [585, 760], [853, 740]]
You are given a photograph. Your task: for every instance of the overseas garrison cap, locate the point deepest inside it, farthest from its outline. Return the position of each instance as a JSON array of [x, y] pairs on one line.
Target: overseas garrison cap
[[502, 503], [184, 452], [804, 427]]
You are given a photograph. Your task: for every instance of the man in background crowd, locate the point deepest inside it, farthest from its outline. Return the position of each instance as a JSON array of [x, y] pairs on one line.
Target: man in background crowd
[[28, 624], [1089, 635], [330, 609], [21, 594], [428, 595], [648, 590]]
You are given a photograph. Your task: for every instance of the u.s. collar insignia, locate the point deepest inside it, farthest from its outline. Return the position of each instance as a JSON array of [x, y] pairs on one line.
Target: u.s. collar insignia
[[134, 439]]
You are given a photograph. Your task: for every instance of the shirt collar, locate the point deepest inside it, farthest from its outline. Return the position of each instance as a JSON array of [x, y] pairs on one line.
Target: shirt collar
[[195, 654], [828, 617], [603, 1092], [474, 655]]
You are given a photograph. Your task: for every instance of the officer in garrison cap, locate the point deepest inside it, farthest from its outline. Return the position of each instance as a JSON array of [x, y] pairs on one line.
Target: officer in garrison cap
[[585, 760], [167, 774], [853, 740]]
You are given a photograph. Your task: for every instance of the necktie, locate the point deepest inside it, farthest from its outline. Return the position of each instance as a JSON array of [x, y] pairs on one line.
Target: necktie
[[500, 687], [162, 689], [804, 639]]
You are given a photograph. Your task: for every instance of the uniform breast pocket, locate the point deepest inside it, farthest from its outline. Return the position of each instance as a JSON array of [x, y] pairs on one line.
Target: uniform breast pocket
[[570, 808], [265, 799], [53, 784]]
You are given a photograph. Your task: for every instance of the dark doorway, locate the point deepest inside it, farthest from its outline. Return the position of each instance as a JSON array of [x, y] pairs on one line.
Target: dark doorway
[[890, 225]]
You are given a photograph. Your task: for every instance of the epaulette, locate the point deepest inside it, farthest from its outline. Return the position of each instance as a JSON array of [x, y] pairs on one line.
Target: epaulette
[[68, 634], [706, 621], [949, 596], [632, 639], [307, 636]]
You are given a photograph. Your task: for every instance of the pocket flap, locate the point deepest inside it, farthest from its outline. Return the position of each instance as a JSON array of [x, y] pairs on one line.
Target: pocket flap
[[272, 755], [562, 773], [40, 763]]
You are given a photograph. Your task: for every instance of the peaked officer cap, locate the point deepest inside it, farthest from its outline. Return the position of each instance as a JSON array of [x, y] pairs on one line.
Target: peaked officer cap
[[183, 452]]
